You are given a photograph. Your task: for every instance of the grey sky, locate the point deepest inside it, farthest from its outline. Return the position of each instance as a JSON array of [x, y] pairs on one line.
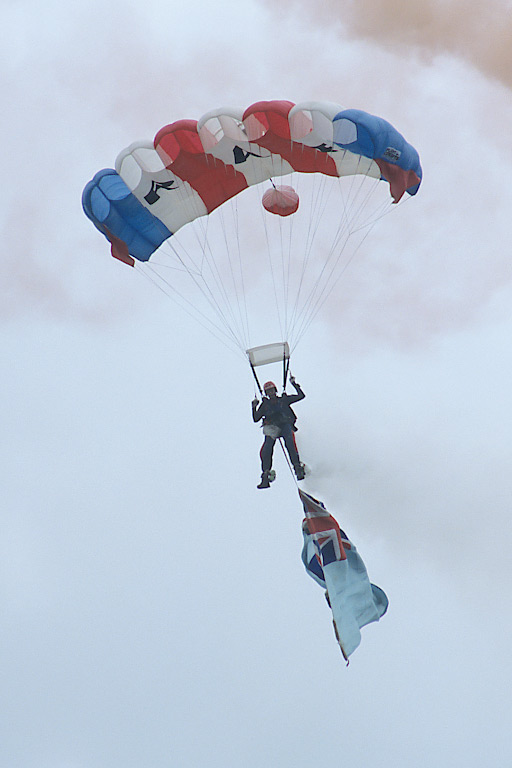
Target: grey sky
[[153, 607]]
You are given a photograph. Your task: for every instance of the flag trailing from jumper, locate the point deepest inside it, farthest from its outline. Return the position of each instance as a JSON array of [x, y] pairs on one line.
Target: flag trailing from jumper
[[332, 560]]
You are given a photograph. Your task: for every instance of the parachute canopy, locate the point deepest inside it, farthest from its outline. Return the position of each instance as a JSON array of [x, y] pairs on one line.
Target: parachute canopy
[[193, 167], [192, 210]]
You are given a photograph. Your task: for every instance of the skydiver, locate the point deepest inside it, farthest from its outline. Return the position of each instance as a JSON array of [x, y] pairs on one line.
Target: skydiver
[[278, 421]]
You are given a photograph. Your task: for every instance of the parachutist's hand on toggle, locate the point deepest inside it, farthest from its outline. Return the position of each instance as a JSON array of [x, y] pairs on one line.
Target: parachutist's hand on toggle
[[292, 380], [255, 402]]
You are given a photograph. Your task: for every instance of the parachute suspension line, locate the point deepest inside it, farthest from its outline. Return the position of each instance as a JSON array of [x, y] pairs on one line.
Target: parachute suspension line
[[170, 291], [351, 210], [241, 268], [305, 259], [269, 255], [290, 307], [213, 302], [322, 299], [283, 272], [219, 303], [279, 252], [253, 369], [241, 318], [383, 210], [289, 269], [213, 266], [332, 280], [199, 230], [281, 291], [207, 293], [292, 473], [285, 256], [279, 286], [290, 221], [319, 195], [323, 285], [360, 219], [172, 252]]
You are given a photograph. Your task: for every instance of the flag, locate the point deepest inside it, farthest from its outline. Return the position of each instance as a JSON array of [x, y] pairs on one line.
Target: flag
[[332, 560]]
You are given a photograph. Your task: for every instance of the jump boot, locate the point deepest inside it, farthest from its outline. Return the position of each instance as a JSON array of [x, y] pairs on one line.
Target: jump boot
[[265, 480], [299, 471]]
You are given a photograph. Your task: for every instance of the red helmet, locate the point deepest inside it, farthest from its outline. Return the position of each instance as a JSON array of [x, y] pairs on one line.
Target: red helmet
[[269, 386]]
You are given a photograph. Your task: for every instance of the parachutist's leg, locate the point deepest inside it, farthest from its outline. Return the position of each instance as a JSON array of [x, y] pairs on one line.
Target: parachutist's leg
[[266, 453], [291, 445], [293, 453]]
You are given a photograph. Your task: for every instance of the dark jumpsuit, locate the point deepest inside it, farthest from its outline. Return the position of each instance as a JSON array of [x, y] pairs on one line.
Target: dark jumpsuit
[[277, 412]]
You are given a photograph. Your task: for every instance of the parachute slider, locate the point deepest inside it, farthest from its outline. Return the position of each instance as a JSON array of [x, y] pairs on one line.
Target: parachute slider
[[269, 353]]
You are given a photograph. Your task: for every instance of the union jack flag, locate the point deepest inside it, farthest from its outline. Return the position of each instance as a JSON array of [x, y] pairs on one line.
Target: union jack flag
[[330, 541], [334, 563]]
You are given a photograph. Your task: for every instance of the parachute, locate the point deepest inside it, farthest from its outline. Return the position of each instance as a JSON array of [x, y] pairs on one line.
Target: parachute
[[188, 209], [248, 218]]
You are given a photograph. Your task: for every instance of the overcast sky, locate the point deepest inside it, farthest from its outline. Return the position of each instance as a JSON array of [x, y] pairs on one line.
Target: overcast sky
[[154, 610]]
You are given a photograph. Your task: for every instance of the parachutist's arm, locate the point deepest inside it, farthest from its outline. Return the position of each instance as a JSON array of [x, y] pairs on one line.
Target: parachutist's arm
[[300, 394], [257, 412]]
